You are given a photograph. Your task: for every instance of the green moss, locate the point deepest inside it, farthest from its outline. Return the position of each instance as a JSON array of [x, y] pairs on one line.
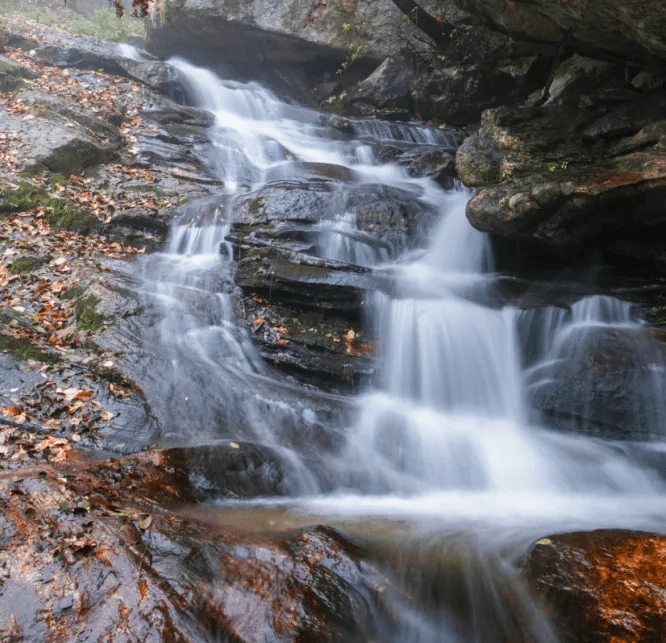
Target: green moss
[[58, 179], [7, 68], [22, 349], [9, 84], [436, 158], [72, 293], [256, 204], [26, 264], [74, 220], [29, 196], [92, 347], [112, 374], [86, 316]]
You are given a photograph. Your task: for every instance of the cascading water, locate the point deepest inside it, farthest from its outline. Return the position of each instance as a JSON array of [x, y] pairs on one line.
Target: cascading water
[[443, 438]]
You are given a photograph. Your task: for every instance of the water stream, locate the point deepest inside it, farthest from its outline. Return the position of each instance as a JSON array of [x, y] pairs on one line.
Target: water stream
[[443, 447]]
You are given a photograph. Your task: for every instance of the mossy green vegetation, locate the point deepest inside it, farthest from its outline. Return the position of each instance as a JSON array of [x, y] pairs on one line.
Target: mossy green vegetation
[[256, 204], [26, 264], [22, 349], [74, 220], [61, 215], [111, 374], [86, 316]]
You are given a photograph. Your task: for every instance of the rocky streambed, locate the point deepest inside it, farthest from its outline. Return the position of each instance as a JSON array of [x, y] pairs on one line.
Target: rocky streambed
[[183, 334]]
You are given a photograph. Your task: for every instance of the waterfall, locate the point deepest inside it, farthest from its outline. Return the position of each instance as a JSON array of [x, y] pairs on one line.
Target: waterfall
[[443, 434]]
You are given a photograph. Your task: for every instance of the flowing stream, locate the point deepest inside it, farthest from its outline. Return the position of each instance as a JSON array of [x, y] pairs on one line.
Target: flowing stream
[[443, 458]]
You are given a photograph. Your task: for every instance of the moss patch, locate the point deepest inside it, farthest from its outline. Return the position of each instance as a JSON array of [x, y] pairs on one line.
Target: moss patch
[[29, 196], [256, 204], [74, 220], [22, 349], [86, 316], [112, 374], [26, 264]]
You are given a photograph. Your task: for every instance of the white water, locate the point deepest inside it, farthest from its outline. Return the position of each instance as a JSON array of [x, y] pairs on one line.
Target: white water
[[443, 438], [448, 413]]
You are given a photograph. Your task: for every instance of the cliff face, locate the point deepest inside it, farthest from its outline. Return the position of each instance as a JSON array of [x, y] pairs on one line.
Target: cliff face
[[630, 31]]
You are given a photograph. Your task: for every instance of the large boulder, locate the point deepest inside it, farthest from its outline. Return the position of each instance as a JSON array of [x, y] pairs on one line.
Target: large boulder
[[265, 31], [585, 166], [57, 143], [90, 552]]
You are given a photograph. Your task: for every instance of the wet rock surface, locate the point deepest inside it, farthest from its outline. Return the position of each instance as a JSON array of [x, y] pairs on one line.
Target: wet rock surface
[[602, 585], [601, 384], [92, 550], [573, 173], [304, 311]]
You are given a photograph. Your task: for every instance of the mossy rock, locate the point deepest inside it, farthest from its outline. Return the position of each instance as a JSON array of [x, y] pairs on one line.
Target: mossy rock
[[63, 216], [26, 264], [86, 316], [74, 220], [9, 83], [22, 349], [256, 204]]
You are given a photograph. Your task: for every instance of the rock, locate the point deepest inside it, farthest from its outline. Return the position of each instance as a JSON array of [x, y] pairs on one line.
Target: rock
[[81, 59], [304, 279], [479, 69], [459, 95], [600, 29], [604, 585], [316, 345], [12, 75], [183, 578], [387, 87], [576, 76], [58, 144], [387, 219], [569, 173], [478, 161], [157, 75], [9, 67], [9, 84], [305, 312], [602, 381], [269, 32]]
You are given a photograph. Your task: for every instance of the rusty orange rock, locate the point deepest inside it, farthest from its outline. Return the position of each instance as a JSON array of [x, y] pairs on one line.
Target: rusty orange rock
[[605, 586]]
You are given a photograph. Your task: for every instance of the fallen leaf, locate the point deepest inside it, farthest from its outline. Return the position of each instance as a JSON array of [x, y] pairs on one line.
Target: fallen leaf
[[145, 523]]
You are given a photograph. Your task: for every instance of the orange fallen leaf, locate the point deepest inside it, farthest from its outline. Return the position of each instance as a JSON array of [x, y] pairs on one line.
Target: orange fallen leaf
[[11, 411]]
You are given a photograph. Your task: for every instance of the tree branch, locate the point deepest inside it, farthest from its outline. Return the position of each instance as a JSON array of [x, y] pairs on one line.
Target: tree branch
[[439, 31]]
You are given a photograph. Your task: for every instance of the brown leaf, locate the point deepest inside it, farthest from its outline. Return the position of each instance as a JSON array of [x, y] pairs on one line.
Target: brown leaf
[[11, 411], [145, 523]]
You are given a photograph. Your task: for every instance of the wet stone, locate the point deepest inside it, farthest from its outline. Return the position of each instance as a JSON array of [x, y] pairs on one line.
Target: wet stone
[[604, 585]]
